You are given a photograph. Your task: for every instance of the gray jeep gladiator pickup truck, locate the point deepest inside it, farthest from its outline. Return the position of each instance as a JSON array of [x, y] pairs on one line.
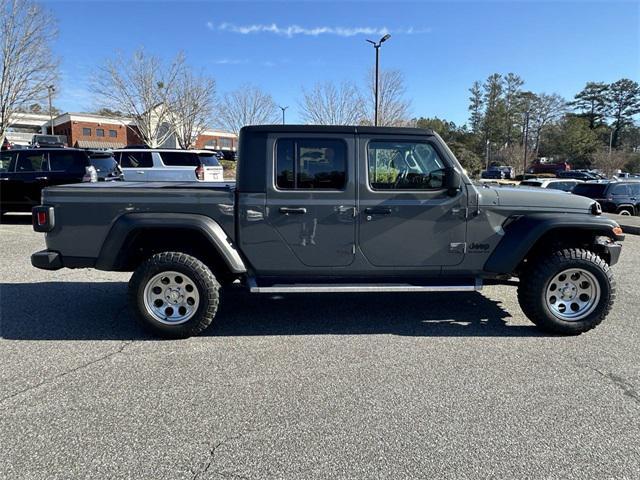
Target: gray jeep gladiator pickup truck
[[335, 209]]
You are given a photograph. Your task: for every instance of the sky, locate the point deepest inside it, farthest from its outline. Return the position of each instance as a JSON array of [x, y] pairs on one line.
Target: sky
[[284, 46]]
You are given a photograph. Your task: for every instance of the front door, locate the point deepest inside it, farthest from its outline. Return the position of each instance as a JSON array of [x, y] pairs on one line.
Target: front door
[[406, 216], [311, 197]]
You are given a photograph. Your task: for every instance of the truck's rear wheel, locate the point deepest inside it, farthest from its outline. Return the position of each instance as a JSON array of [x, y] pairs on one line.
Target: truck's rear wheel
[[174, 294], [570, 292]]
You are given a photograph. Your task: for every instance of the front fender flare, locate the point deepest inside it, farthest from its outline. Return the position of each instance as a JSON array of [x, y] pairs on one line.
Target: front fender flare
[[521, 235], [125, 225]]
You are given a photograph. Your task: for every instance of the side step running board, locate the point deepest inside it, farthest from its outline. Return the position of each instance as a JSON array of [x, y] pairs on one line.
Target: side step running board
[[353, 288]]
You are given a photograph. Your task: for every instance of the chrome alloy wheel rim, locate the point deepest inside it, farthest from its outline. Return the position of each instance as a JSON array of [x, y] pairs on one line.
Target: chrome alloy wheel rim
[[572, 294], [171, 298]]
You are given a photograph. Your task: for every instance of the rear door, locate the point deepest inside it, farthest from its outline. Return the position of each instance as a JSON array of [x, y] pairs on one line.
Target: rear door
[[31, 175], [407, 219], [311, 197], [66, 166], [7, 185], [135, 165]]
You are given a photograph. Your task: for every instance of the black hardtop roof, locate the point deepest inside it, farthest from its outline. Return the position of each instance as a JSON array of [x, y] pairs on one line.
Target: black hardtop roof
[[354, 129], [45, 149]]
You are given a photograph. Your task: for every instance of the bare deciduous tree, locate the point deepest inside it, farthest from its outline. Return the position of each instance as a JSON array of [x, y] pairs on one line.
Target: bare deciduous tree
[[545, 109], [192, 108], [330, 104], [393, 108], [28, 65], [248, 105], [144, 88]]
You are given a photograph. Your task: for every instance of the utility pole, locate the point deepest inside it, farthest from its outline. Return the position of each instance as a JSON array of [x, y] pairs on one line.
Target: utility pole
[[525, 142], [51, 89], [283, 109], [610, 143], [377, 47]]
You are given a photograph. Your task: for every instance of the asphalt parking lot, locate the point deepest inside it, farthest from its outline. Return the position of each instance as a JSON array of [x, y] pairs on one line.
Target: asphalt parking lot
[[302, 386]]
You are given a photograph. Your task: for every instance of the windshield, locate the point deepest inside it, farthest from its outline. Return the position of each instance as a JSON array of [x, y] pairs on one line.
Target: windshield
[[590, 190], [209, 160]]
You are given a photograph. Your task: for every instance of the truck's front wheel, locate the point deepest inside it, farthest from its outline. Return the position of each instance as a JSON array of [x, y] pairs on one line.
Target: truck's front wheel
[[569, 292], [174, 294]]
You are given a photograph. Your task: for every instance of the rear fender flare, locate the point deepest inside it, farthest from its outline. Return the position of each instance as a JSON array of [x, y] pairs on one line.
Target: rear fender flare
[[127, 224]]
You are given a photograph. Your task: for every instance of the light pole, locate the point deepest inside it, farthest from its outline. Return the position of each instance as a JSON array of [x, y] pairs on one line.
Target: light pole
[[283, 109], [526, 141], [377, 47], [51, 89]]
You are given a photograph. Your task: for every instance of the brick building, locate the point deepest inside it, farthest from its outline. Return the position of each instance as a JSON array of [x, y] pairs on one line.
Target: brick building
[[87, 130]]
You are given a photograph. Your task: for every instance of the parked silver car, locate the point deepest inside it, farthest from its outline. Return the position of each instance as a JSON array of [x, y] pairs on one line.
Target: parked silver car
[[168, 165]]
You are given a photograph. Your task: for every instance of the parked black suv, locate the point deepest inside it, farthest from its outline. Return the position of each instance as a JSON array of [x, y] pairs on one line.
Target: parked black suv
[[615, 197], [106, 165], [24, 173]]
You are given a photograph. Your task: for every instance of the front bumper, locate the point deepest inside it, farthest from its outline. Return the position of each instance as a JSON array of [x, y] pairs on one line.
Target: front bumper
[[613, 250]]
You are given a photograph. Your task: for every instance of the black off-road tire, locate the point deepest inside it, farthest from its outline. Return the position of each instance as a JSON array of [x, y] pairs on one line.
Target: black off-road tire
[[535, 280], [203, 279]]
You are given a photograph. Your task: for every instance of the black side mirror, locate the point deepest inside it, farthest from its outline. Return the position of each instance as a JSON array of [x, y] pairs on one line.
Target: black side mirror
[[452, 181]]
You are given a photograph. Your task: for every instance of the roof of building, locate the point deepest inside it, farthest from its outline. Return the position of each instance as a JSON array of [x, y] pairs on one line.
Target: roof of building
[[98, 144]]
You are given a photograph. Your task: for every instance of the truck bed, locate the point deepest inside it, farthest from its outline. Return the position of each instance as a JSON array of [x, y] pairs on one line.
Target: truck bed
[[89, 210]]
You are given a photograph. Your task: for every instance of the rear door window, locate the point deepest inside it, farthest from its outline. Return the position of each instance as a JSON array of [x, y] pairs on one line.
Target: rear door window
[[620, 190], [31, 162], [136, 160], [590, 190], [311, 164], [67, 161], [180, 159]]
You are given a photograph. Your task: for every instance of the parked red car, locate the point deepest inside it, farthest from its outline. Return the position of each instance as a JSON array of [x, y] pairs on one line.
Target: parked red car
[[540, 167]]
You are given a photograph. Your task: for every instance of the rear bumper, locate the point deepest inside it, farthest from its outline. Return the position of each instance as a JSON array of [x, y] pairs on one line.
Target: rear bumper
[[52, 260], [47, 260]]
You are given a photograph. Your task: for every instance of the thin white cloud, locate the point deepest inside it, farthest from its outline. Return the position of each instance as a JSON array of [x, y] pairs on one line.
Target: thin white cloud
[[231, 61], [291, 31]]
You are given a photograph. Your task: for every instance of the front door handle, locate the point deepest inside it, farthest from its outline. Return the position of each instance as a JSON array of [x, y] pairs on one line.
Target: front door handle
[[293, 210], [139, 172], [377, 211], [4, 178], [42, 178]]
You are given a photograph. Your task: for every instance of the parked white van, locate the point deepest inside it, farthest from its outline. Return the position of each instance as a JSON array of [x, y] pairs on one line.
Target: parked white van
[[168, 165]]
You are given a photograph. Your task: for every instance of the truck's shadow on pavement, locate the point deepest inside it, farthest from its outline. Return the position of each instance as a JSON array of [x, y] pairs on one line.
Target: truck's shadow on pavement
[[12, 219], [99, 311]]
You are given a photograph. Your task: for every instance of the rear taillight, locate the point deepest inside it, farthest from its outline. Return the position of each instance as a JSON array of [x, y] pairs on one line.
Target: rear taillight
[[43, 218], [200, 172]]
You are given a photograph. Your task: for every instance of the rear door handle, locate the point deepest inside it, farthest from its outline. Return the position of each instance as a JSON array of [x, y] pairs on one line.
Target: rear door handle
[[377, 211], [140, 172], [293, 210], [42, 178]]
